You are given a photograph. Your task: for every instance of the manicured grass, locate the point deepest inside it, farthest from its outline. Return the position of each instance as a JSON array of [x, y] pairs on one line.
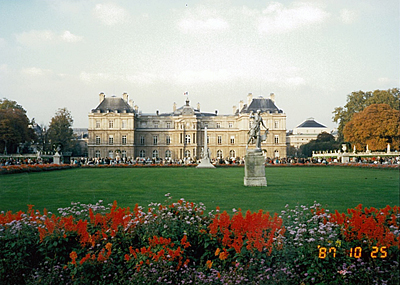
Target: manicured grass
[[334, 187]]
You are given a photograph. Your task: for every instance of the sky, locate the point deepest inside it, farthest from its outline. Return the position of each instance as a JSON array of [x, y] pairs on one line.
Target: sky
[[310, 54]]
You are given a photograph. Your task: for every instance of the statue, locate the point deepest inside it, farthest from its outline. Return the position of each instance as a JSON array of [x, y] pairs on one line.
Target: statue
[[255, 130]]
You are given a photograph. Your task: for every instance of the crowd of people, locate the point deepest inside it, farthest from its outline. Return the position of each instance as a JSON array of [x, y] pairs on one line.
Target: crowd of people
[[5, 161]]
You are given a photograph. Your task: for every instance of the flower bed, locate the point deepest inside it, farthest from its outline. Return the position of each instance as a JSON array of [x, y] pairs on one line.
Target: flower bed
[[11, 169], [180, 243]]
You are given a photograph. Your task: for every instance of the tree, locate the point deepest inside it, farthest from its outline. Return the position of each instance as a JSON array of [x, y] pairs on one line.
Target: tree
[[324, 142], [358, 101], [60, 131], [376, 126], [14, 126]]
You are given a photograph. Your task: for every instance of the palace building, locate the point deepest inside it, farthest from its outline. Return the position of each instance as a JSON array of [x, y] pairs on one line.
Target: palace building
[[116, 127]]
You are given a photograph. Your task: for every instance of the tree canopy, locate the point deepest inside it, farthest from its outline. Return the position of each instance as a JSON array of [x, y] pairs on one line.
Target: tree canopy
[[375, 126], [60, 131], [14, 126], [324, 142], [358, 101]]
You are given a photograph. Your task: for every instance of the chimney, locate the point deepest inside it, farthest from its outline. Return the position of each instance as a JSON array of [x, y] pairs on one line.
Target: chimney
[[174, 107], [241, 104], [131, 103], [198, 106], [234, 109], [125, 97], [102, 96], [272, 97], [249, 99]]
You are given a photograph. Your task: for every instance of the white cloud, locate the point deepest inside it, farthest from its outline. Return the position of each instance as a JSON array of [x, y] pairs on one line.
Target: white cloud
[[3, 68], [192, 77], [348, 16], [35, 71], [36, 38], [67, 36], [141, 78], [277, 18], [110, 14], [202, 25]]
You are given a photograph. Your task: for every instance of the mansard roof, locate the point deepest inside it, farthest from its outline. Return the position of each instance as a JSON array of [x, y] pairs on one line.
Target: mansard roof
[[265, 105], [310, 123], [112, 104]]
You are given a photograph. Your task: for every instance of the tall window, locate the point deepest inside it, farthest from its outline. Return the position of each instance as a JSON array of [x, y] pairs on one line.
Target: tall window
[[194, 137], [276, 124], [230, 125], [168, 140], [111, 124], [142, 153], [276, 140], [219, 140], [194, 126], [97, 153], [168, 125], [110, 154], [276, 153], [155, 140], [141, 140], [232, 139], [208, 139], [167, 153], [98, 141], [187, 139], [232, 153], [218, 125], [97, 124], [110, 140], [155, 153], [156, 125], [219, 153], [187, 153], [123, 140], [123, 154]]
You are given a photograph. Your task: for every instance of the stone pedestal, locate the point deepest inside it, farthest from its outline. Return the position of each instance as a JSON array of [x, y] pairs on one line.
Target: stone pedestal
[[345, 158], [57, 158], [205, 163], [254, 168]]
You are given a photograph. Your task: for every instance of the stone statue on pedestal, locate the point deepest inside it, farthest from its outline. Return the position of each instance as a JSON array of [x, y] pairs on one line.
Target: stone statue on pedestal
[[254, 168]]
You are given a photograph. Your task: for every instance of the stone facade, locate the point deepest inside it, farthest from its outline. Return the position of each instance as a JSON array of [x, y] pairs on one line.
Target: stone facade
[[116, 127], [305, 132]]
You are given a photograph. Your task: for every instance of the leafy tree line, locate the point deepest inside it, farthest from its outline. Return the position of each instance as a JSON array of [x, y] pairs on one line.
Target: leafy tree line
[[368, 118], [18, 133]]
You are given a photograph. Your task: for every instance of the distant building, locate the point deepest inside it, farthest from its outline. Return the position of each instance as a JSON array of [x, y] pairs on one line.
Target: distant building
[[117, 127], [305, 132]]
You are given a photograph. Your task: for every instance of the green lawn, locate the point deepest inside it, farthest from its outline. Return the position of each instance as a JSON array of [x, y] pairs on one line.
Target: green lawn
[[335, 187]]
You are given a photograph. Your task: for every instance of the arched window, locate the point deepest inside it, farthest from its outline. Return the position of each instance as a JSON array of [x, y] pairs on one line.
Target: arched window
[[123, 154], [168, 153], [110, 154], [232, 153], [97, 153], [187, 153], [276, 153], [155, 153], [142, 153], [219, 153]]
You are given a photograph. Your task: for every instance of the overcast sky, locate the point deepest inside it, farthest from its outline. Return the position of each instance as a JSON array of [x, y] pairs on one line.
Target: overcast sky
[[311, 54]]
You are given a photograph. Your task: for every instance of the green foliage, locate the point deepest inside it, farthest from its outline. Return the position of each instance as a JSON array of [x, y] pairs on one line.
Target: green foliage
[[324, 142], [358, 101], [14, 126], [60, 133]]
